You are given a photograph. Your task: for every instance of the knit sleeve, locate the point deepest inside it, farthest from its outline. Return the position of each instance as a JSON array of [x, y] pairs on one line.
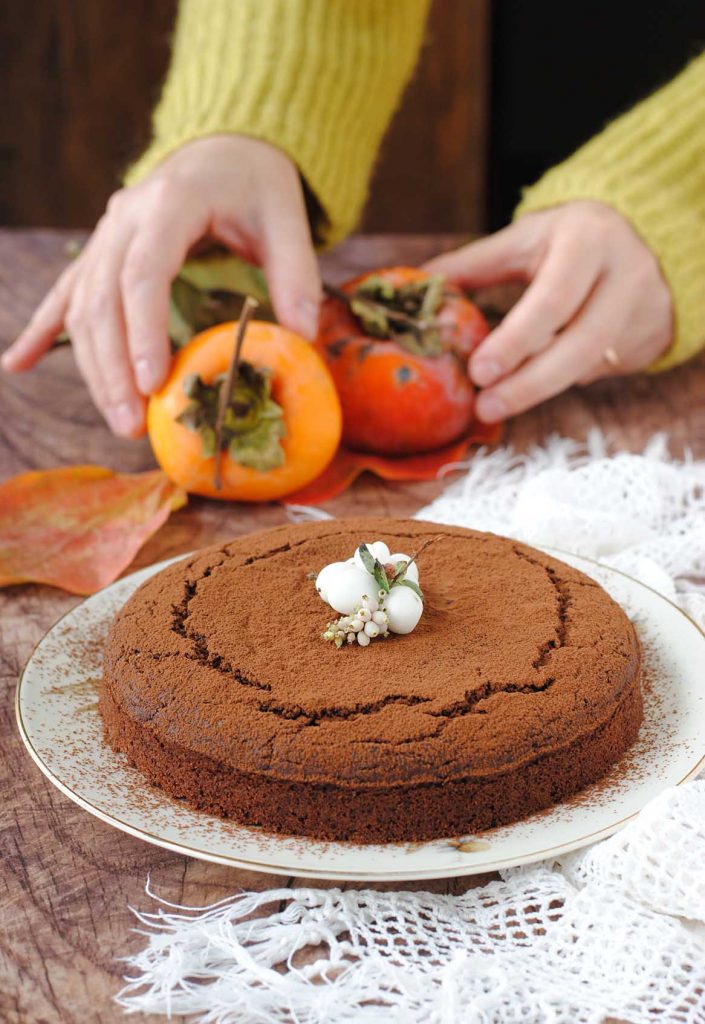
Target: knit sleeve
[[319, 79], [650, 166]]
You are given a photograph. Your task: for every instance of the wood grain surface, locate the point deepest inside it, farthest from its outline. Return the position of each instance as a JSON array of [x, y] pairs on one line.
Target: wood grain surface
[[67, 879]]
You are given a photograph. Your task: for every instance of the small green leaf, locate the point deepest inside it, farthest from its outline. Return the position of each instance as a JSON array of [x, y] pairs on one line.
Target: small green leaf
[[211, 290], [410, 342], [433, 297], [400, 571], [184, 302], [230, 420], [191, 416], [372, 318], [411, 585], [221, 271], [73, 248], [381, 577], [377, 287], [368, 559], [270, 410], [192, 383], [259, 448], [207, 440]]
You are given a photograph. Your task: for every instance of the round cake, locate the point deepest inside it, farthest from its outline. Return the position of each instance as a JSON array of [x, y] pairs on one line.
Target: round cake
[[519, 686]]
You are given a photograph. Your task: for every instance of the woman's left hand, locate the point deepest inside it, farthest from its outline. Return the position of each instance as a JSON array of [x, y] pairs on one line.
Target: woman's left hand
[[596, 304]]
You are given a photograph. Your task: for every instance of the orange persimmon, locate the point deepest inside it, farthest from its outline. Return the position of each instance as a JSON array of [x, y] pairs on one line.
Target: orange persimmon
[[399, 359], [294, 394]]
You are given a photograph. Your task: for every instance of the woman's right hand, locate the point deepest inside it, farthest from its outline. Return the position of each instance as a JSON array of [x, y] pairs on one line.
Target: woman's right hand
[[114, 299]]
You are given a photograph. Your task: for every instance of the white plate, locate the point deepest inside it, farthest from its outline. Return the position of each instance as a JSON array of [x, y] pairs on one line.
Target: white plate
[[59, 723]]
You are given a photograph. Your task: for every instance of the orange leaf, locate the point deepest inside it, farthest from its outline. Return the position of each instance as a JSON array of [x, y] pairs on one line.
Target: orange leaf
[[347, 466], [77, 528]]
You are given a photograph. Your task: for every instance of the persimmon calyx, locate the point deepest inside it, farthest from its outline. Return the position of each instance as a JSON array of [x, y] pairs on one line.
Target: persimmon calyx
[[405, 313], [253, 426]]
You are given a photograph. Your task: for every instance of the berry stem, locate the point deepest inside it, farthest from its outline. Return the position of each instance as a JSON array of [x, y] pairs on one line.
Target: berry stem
[[426, 544]]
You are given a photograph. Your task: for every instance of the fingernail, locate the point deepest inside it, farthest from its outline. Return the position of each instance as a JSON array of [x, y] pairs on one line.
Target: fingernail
[[485, 371], [144, 375], [491, 408], [307, 318], [121, 418]]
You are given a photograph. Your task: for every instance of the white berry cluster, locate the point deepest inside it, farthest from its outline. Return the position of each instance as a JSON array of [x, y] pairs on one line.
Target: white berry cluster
[[367, 622], [376, 593]]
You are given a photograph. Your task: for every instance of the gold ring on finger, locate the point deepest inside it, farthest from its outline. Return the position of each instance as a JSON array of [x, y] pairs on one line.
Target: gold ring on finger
[[611, 356]]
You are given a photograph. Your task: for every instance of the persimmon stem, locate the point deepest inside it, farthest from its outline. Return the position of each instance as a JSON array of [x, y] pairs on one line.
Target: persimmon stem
[[226, 388], [396, 316]]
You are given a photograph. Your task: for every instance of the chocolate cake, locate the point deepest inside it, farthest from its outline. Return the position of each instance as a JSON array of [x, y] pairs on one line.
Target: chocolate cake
[[519, 686]]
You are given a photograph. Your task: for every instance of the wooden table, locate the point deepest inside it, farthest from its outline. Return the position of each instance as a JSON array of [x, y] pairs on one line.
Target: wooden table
[[67, 879]]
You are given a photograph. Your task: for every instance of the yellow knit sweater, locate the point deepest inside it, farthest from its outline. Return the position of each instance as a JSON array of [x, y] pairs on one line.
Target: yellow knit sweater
[[320, 79]]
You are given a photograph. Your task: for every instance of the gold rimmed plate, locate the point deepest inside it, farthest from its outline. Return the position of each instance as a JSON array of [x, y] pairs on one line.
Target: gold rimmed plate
[[59, 723]]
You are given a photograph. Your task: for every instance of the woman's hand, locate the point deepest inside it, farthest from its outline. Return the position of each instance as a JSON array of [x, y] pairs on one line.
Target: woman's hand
[[114, 299], [596, 304]]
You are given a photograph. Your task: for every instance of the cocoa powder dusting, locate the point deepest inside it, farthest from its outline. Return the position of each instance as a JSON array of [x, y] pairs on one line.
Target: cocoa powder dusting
[[518, 688]]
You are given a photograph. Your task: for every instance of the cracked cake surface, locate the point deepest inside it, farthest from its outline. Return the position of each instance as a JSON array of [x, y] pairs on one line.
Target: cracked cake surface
[[519, 686]]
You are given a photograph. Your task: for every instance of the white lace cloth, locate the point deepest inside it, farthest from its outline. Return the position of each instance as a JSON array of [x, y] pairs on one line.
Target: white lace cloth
[[615, 930]]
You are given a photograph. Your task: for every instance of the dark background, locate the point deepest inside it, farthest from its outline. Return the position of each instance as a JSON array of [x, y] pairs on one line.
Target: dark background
[[503, 90], [561, 70]]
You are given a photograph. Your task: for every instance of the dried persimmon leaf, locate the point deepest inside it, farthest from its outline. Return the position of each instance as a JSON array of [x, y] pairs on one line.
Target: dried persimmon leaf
[[347, 465], [79, 527]]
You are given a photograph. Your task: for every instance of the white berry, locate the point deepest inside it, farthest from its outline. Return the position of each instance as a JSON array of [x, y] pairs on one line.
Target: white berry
[[412, 573], [404, 609], [326, 575], [347, 589], [378, 549], [367, 611]]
